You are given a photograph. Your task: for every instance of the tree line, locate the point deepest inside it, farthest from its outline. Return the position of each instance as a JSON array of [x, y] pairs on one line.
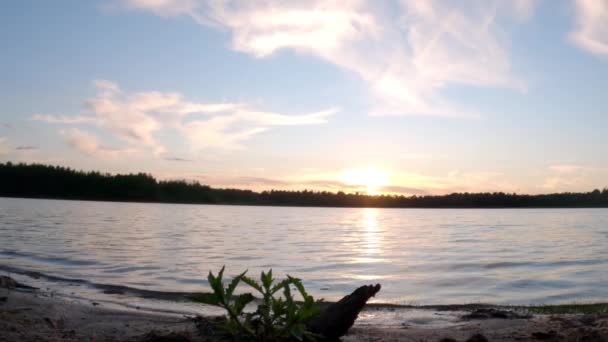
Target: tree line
[[48, 181]]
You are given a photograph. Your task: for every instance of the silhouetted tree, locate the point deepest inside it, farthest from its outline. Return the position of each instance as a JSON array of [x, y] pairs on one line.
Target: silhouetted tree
[[46, 181]]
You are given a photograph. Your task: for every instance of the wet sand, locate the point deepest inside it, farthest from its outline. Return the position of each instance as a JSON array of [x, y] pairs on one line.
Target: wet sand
[[40, 316]]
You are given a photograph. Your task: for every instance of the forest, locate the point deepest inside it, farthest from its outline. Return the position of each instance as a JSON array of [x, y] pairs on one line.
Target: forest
[[57, 182]]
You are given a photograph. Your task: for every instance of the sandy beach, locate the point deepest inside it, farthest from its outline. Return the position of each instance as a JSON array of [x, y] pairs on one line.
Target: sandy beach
[[43, 316]]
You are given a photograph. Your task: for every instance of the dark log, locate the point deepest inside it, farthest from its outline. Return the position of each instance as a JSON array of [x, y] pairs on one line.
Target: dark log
[[334, 322], [10, 283]]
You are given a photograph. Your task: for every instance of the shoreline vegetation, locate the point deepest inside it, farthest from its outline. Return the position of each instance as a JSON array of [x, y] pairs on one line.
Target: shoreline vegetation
[[57, 182]]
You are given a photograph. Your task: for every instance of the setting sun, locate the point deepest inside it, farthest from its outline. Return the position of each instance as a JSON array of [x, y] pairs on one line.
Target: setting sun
[[370, 177]]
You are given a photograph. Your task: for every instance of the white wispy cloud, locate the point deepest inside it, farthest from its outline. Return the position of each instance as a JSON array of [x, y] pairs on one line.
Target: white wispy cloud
[[230, 129], [26, 148], [63, 119], [127, 117], [89, 144], [591, 32], [407, 51], [137, 118]]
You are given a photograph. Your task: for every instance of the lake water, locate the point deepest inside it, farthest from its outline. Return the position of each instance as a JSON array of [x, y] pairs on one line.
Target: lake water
[[420, 256]]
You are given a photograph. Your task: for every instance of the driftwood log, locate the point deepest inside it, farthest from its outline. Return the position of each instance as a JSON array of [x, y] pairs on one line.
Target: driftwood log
[[10, 283], [335, 320]]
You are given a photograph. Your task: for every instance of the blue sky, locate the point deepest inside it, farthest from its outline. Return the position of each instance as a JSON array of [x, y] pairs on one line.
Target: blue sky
[[411, 96]]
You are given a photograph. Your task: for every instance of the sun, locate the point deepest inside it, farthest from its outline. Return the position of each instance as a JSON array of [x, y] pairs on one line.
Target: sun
[[373, 179]]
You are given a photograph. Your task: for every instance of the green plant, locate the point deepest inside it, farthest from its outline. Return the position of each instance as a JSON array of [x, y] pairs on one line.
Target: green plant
[[276, 317]]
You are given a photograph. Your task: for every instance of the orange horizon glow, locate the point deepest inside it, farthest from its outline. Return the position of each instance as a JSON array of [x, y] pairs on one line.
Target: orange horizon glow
[[372, 178]]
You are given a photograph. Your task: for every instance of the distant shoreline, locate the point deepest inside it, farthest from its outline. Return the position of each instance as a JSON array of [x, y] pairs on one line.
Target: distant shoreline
[[57, 182], [292, 205]]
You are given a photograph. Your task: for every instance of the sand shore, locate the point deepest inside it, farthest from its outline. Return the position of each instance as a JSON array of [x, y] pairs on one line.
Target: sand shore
[[40, 316]]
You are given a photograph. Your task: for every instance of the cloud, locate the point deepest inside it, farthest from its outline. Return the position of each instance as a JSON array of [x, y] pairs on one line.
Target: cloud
[[89, 144], [136, 118], [125, 117], [26, 148], [401, 183], [591, 33], [264, 183], [177, 159], [249, 181], [228, 131], [61, 119], [396, 182], [334, 185], [566, 168], [407, 51]]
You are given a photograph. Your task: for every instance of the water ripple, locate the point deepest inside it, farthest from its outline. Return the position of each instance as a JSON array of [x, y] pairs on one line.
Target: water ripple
[[425, 256]]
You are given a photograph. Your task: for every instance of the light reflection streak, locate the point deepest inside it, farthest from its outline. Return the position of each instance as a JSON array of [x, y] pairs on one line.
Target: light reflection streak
[[371, 235]]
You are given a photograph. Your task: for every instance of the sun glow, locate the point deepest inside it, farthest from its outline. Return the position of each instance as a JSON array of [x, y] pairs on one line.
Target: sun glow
[[371, 178]]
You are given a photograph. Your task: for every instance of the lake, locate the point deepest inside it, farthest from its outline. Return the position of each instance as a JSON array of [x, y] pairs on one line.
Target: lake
[[420, 256]]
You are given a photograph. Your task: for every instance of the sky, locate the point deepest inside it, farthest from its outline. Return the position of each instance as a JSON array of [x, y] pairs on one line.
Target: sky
[[405, 97]]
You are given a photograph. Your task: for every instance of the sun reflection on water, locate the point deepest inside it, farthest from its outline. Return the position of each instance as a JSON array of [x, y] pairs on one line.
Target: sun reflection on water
[[370, 253], [371, 236]]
